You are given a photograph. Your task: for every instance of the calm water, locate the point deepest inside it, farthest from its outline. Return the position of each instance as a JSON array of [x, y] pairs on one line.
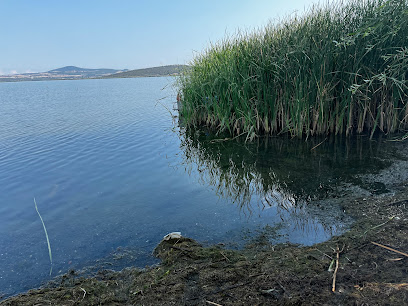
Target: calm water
[[110, 168]]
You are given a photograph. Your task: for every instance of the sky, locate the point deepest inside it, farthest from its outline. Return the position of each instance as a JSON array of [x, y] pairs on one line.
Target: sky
[[40, 35]]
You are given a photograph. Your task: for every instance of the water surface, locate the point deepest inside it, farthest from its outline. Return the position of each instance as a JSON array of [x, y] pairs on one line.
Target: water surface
[[111, 168]]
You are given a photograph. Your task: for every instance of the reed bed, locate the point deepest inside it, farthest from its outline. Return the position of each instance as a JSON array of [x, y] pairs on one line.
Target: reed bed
[[341, 68]]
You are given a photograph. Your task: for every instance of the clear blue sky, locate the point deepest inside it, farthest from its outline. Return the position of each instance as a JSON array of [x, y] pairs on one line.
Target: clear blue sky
[[39, 35]]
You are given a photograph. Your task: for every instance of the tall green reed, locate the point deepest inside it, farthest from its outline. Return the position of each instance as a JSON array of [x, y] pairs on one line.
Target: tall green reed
[[339, 69]]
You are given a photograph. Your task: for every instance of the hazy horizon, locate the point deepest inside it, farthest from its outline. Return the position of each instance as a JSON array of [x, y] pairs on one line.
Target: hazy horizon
[[43, 35], [100, 68]]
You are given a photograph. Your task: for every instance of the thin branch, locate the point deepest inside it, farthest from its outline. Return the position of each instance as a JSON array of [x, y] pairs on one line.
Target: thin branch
[[391, 249], [318, 144], [335, 270], [212, 303]]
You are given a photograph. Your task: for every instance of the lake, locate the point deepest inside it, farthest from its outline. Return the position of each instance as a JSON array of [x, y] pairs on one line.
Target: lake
[[113, 171]]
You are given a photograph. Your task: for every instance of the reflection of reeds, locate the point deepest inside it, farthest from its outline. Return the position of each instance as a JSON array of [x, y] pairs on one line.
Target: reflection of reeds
[[46, 234], [277, 170], [282, 173], [338, 69]]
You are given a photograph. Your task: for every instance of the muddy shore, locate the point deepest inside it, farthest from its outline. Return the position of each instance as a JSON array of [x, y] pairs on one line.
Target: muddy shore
[[366, 273]]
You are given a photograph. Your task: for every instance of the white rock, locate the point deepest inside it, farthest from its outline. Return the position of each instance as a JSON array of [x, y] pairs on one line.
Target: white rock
[[173, 235]]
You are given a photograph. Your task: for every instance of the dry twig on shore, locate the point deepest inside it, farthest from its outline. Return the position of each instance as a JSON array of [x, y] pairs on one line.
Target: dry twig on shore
[[390, 249], [338, 251]]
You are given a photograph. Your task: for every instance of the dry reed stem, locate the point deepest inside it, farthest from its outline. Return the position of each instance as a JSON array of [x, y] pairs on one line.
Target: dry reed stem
[[335, 270], [390, 249], [318, 144], [212, 303]]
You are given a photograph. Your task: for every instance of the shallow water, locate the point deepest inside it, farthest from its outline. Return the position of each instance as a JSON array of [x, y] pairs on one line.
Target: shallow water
[[111, 168]]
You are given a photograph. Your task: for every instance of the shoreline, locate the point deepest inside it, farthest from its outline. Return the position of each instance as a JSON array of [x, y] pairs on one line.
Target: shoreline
[[263, 273]]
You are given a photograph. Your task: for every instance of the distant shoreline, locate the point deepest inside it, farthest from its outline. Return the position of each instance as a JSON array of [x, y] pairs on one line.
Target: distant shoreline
[[83, 79], [76, 73]]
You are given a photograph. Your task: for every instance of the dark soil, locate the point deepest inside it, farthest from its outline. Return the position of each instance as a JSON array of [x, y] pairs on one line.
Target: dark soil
[[265, 274]]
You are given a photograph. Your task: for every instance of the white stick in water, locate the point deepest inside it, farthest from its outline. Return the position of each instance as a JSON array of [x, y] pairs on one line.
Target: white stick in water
[[46, 234]]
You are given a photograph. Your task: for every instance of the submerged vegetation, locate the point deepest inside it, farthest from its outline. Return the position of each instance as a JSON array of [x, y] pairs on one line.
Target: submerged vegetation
[[339, 69]]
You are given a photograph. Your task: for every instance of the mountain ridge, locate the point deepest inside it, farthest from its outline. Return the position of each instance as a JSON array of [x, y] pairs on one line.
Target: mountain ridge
[[167, 70], [75, 69]]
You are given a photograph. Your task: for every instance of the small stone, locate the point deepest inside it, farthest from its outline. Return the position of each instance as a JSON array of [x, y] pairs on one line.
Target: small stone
[[173, 235]]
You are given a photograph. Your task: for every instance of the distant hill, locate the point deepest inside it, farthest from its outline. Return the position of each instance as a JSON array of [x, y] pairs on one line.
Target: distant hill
[[64, 73], [149, 72], [76, 73], [73, 70]]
